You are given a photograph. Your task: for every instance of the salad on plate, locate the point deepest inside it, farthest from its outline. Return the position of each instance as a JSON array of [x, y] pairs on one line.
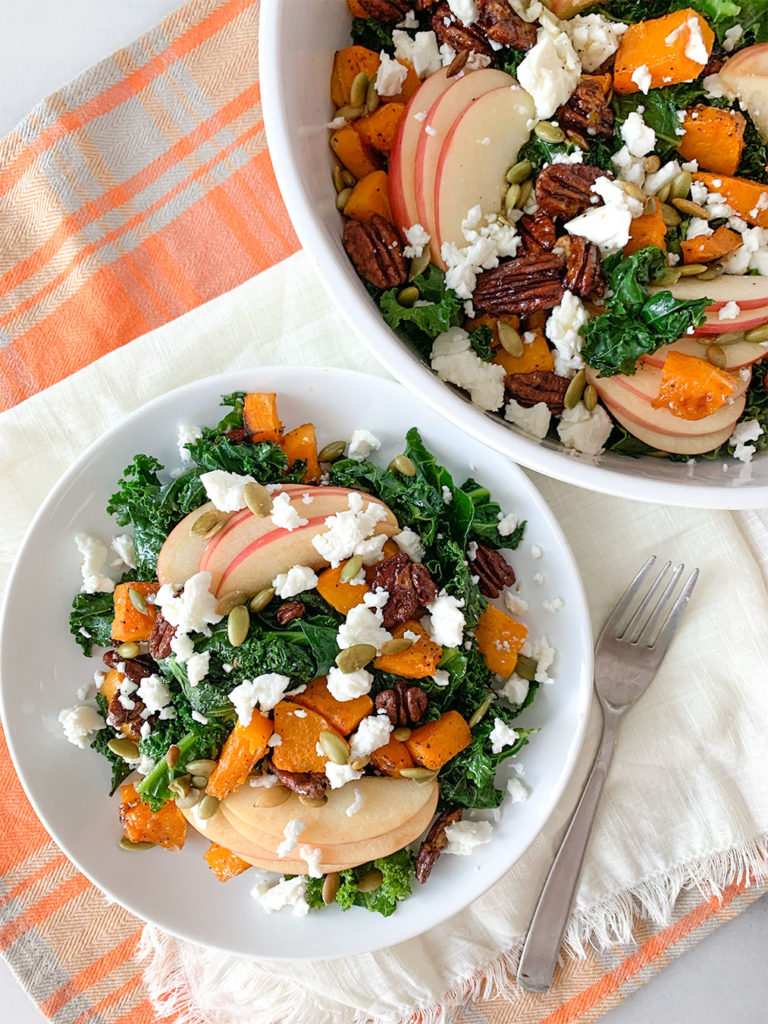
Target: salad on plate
[[563, 206]]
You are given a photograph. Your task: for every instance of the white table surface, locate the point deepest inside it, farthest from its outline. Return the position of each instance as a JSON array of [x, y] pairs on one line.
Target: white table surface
[[43, 45]]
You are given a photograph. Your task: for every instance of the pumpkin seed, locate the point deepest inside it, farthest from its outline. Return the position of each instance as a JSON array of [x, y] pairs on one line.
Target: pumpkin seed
[[758, 334], [230, 601], [650, 205], [526, 667], [575, 390], [359, 763], [371, 98], [208, 523], [670, 216], [238, 624], [634, 190], [338, 179], [579, 140], [190, 799], [690, 209], [519, 172], [527, 188], [262, 599], [331, 887], [396, 646], [312, 801], [343, 198], [207, 807], [128, 844], [408, 296], [124, 748], [419, 263], [651, 164], [402, 464], [457, 63], [348, 112], [351, 568], [336, 749], [138, 600], [128, 650], [711, 273], [257, 498], [548, 132], [199, 781], [355, 657], [590, 397], [332, 451], [358, 89], [509, 339], [402, 733], [692, 269], [681, 185], [731, 338], [418, 774], [479, 713], [348, 178], [204, 766], [274, 796], [716, 356], [371, 881], [180, 786], [662, 194], [669, 277], [172, 756], [512, 198]]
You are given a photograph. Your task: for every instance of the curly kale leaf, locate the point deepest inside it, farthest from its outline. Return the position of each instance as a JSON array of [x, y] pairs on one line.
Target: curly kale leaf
[[373, 34], [90, 621], [480, 339], [264, 461], [468, 778], [443, 309], [119, 768], [397, 871], [138, 503]]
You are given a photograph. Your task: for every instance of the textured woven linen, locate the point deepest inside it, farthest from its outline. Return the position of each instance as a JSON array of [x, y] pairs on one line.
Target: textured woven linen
[[135, 194]]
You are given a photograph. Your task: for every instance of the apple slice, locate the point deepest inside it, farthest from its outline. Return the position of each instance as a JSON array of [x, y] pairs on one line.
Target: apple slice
[[750, 292], [745, 75], [737, 356], [439, 120], [675, 445], [746, 320], [478, 151]]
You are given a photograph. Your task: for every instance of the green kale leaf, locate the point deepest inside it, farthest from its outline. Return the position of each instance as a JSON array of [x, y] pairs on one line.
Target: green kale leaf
[[443, 309], [468, 778], [397, 871], [90, 621], [373, 34], [119, 768], [480, 339]]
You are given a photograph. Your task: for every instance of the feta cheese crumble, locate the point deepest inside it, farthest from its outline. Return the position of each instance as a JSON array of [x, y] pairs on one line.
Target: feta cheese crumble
[[446, 620], [372, 733], [187, 434], [641, 76], [93, 554], [298, 579], [356, 804], [501, 736], [515, 690], [292, 831], [729, 311], [464, 837], [264, 692], [340, 774], [363, 625], [362, 443], [390, 75], [312, 855], [640, 139], [584, 431], [410, 542], [350, 532], [465, 10], [154, 693], [226, 490], [607, 225], [284, 514], [454, 360], [534, 421], [517, 790], [507, 524], [348, 685], [551, 70], [289, 892], [125, 549], [194, 609], [80, 723], [594, 38], [417, 238], [421, 51], [743, 433], [197, 667], [562, 329]]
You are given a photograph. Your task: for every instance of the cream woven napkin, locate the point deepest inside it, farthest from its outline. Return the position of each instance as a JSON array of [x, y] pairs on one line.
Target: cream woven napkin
[[686, 802]]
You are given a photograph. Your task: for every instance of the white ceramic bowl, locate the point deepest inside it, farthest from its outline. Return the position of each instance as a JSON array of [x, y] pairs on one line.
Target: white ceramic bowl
[[41, 668], [297, 39]]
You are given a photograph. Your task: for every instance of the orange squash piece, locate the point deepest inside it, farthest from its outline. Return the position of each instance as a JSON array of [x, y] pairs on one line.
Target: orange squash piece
[[347, 65], [341, 596], [647, 229], [260, 417], [499, 640], [647, 44], [693, 388], [356, 155], [434, 744], [223, 863], [110, 683], [392, 758], [166, 827], [378, 129], [419, 661], [356, 9], [705, 248], [344, 715], [713, 137], [370, 196], [537, 355], [748, 198], [129, 623], [244, 746], [299, 737], [301, 443]]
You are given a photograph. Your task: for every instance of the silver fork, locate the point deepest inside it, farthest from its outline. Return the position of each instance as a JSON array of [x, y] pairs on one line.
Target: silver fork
[[629, 650]]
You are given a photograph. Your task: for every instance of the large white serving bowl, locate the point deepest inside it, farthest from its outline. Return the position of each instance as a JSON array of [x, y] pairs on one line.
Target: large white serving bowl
[[41, 668], [296, 45]]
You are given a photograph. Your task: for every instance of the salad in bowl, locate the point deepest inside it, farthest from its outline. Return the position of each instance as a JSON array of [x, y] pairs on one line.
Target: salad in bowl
[[563, 207]]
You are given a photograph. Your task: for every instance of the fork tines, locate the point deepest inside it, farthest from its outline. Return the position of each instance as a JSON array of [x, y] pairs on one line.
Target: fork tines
[[651, 623]]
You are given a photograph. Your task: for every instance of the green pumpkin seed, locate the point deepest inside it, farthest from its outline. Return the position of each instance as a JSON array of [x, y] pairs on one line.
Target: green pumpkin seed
[[190, 799], [199, 781], [575, 390], [124, 748], [758, 334], [312, 801], [238, 624], [402, 464], [343, 198], [258, 499], [396, 646], [358, 89], [711, 273], [417, 774], [330, 887], [681, 185], [172, 756], [419, 263], [527, 187], [651, 164], [337, 175], [181, 786], [650, 205], [359, 763], [512, 198], [690, 209], [128, 845], [662, 194], [208, 523], [526, 667], [204, 766], [509, 338], [548, 132], [336, 749], [138, 600], [371, 881], [716, 356], [332, 451], [356, 657], [351, 568], [230, 601], [402, 733], [731, 338], [408, 296], [634, 190], [128, 650], [349, 113], [207, 807], [457, 64], [371, 98], [669, 277], [670, 216], [479, 713], [348, 178], [519, 172], [262, 599], [590, 397], [692, 269]]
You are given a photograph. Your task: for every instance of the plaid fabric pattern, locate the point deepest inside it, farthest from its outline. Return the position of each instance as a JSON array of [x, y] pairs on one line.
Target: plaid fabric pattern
[[134, 194]]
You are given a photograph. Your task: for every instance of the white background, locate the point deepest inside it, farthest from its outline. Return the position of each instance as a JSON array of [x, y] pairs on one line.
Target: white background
[[43, 45]]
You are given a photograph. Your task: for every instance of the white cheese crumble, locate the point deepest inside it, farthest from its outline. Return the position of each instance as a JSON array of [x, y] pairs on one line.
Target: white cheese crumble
[[194, 609], [372, 733], [515, 690], [607, 225], [356, 804], [264, 691], [544, 653], [744, 432], [551, 70], [80, 723], [362, 443], [501, 735], [363, 625], [638, 136], [93, 554], [390, 75], [312, 855], [340, 774], [454, 360], [517, 790], [695, 49], [752, 254], [417, 238], [464, 837], [488, 240], [287, 893], [515, 604], [441, 677], [183, 647], [447, 495], [292, 831], [446, 620], [729, 311], [284, 515], [124, 547], [555, 605], [732, 37], [585, 431], [465, 10], [410, 542], [187, 433], [641, 76], [594, 38], [348, 685], [154, 693], [538, 579], [421, 51], [534, 421], [225, 490], [663, 176], [350, 533], [197, 667], [507, 524], [562, 329], [298, 579]]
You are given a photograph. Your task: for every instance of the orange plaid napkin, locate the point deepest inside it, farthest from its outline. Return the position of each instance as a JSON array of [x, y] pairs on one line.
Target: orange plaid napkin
[[139, 191]]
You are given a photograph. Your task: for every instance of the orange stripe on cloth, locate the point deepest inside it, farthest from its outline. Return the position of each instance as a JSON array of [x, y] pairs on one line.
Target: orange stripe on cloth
[[33, 878], [86, 978], [46, 906], [114, 1003]]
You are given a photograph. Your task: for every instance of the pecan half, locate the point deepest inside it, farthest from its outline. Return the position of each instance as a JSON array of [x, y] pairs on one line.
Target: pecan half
[[455, 33], [538, 386], [588, 112], [409, 585], [312, 784], [389, 11], [537, 232], [135, 669], [376, 251], [565, 190], [584, 270], [522, 285], [500, 23], [435, 842], [160, 638], [405, 704], [128, 720], [493, 570], [237, 435], [289, 611], [714, 66]]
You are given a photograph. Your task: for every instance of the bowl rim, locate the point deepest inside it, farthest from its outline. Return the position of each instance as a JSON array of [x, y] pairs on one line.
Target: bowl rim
[[364, 320]]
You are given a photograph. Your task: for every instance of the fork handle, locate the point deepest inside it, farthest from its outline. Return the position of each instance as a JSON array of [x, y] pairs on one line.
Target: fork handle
[[542, 944]]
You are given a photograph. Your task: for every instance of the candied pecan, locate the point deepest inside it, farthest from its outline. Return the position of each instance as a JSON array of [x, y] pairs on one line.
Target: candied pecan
[[538, 386], [500, 23], [389, 11], [493, 570], [455, 33], [312, 784], [422, 5], [376, 251], [409, 585], [135, 669], [584, 270], [289, 611], [238, 435], [522, 285], [128, 720], [565, 190], [537, 232], [160, 638], [714, 66], [435, 842], [587, 112], [405, 703]]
